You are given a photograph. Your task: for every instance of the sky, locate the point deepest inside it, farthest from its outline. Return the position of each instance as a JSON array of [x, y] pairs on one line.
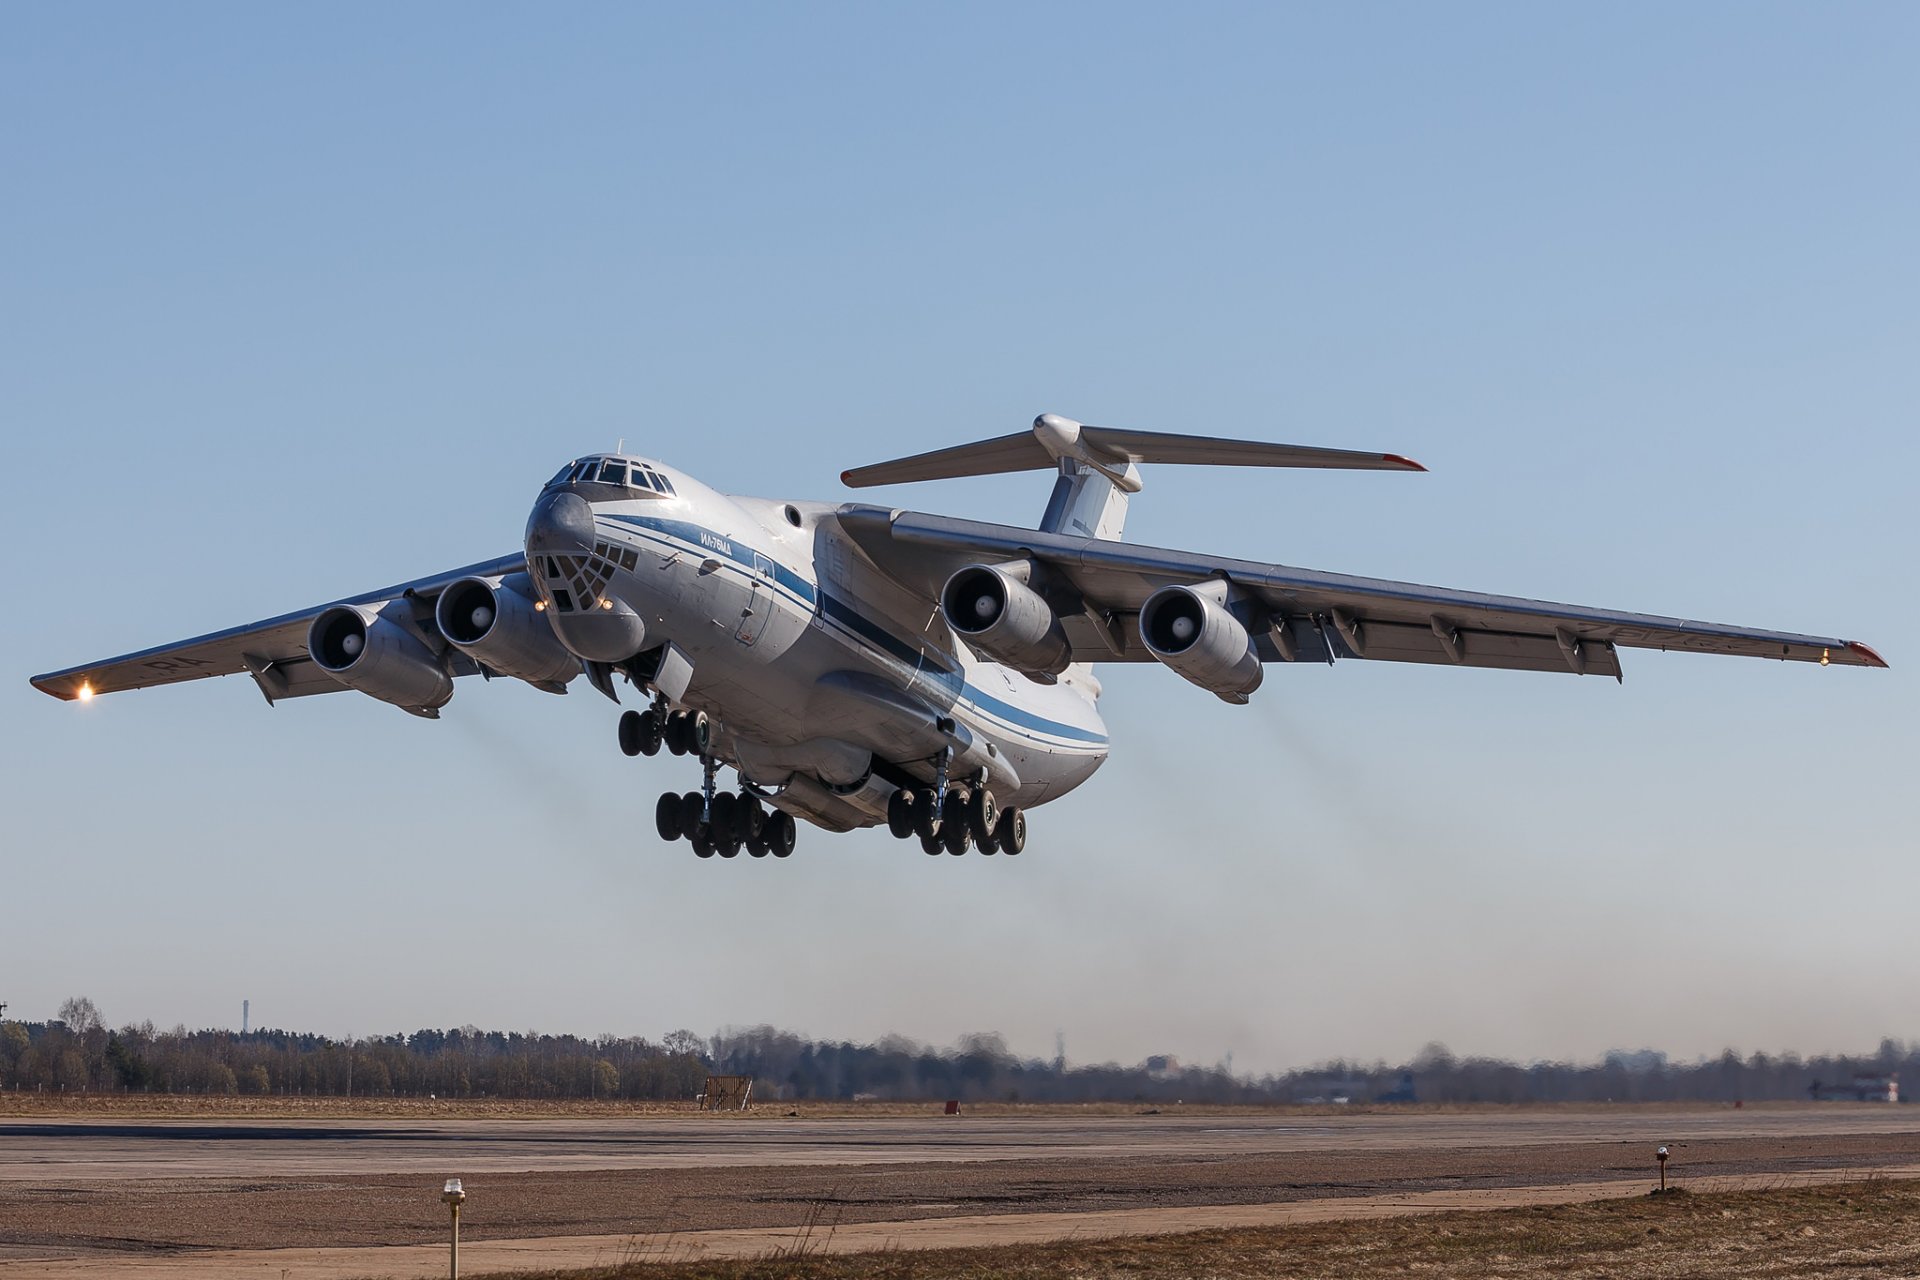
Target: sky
[[299, 302]]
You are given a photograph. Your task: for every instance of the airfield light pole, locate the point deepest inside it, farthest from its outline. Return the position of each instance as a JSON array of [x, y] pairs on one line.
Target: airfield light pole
[[453, 1195], [1659, 1154]]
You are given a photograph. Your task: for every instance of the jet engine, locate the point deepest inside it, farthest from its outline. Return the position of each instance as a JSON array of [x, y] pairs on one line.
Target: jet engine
[[1000, 615], [493, 621], [1190, 630], [367, 651]]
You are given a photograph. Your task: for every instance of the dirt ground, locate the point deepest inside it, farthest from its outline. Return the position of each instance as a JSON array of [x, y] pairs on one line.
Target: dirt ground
[[171, 1215], [1845, 1232]]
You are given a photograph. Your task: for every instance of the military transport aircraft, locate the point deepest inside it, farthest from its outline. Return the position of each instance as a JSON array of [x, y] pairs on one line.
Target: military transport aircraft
[[856, 665]]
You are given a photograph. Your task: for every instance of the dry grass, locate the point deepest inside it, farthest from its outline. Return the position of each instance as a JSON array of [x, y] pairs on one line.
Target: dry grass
[[1836, 1232]]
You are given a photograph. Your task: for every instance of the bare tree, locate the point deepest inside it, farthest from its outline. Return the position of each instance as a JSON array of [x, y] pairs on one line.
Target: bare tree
[[81, 1015]]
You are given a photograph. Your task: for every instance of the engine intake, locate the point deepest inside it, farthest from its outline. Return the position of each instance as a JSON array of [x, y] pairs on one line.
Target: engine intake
[[494, 622], [1190, 630], [366, 651], [1004, 618]]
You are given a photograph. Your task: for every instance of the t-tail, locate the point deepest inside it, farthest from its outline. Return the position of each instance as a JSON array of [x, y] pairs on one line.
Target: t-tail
[[1098, 466]]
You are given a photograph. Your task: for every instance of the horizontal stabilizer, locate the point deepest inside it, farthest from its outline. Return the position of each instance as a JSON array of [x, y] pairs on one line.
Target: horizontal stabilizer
[[1110, 448]]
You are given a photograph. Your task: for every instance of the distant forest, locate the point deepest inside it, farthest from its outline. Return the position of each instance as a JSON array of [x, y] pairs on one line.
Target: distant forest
[[79, 1052]]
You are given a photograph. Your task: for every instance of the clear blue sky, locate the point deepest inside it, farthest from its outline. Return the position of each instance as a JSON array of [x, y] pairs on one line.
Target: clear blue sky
[[299, 302]]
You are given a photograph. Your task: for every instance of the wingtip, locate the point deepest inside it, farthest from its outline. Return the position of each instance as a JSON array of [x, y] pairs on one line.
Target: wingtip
[[1405, 464], [1866, 654]]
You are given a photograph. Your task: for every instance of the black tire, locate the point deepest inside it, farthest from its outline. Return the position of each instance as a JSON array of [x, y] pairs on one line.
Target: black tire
[[630, 733], [900, 814], [666, 817], [954, 831], [781, 833], [1011, 834], [724, 818], [757, 846], [926, 814], [756, 822], [693, 813], [982, 814], [699, 733], [702, 841], [933, 845], [674, 732], [727, 846], [987, 845], [649, 732]]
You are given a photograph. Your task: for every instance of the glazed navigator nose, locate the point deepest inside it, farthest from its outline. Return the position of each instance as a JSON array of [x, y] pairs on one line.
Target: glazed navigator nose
[[561, 524]]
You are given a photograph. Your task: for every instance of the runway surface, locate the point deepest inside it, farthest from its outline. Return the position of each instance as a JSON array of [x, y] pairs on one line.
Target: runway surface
[[327, 1198]]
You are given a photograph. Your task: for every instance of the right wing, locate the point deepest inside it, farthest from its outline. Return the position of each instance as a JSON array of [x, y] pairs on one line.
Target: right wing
[[1098, 586], [273, 651]]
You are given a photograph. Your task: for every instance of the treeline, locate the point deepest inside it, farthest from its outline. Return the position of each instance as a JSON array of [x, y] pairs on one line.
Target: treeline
[[79, 1052]]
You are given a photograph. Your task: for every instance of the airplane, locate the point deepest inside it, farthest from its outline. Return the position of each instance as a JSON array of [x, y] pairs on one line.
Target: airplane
[[857, 665]]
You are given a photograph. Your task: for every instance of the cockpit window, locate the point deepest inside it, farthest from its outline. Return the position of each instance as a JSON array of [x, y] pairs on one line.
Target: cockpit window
[[561, 476], [612, 472]]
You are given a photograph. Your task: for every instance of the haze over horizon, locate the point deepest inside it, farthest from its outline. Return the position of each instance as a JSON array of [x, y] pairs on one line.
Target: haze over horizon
[[301, 303]]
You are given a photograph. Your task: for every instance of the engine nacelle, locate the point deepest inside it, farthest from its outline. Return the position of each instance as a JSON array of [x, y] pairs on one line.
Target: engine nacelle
[[364, 650], [494, 622], [1190, 630], [1004, 618]]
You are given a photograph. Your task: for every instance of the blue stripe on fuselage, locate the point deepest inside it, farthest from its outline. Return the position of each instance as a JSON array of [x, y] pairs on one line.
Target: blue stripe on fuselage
[[931, 666]]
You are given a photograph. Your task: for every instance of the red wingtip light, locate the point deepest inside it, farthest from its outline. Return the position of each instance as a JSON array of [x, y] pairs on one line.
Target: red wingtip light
[[1865, 654], [846, 477], [1399, 461]]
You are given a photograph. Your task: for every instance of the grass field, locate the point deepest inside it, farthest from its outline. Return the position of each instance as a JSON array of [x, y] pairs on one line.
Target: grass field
[[1865, 1229]]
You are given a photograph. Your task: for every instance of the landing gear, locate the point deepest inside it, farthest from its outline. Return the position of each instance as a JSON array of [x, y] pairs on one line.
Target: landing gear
[[666, 817], [955, 833], [687, 733], [955, 819], [926, 813], [1011, 834], [780, 833], [900, 809], [641, 732]]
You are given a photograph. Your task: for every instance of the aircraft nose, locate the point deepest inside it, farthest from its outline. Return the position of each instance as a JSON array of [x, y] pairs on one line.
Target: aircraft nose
[[561, 524]]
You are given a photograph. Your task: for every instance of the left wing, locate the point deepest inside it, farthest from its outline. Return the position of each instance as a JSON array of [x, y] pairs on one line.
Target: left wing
[[273, 651], [1097, 588]]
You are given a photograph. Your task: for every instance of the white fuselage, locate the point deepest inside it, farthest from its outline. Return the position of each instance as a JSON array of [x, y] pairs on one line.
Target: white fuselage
[[826, 680]]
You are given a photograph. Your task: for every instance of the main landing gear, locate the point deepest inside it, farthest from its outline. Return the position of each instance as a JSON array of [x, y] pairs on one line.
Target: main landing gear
[[713, 822], [725, 824], [964, 818]]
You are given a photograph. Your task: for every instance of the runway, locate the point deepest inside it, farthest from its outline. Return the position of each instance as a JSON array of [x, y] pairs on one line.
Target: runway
[[87, 1197]]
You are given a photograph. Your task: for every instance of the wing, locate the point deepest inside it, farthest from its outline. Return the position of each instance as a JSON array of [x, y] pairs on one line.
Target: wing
[[276, 645], [1097, 587]]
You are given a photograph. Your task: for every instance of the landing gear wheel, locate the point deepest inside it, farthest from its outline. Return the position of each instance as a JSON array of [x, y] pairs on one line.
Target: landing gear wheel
[[926, 814], [987, 844], [726, 846], [702, 841], [900, 809], [781, 833], [933, 845], [674, 732], [666, 817], [756, 820], [982, 814], [954, 831], [757, 846], [650, 732], [630, 733], [699, 732], [1011, 834], [724, 820], [693, 813]]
